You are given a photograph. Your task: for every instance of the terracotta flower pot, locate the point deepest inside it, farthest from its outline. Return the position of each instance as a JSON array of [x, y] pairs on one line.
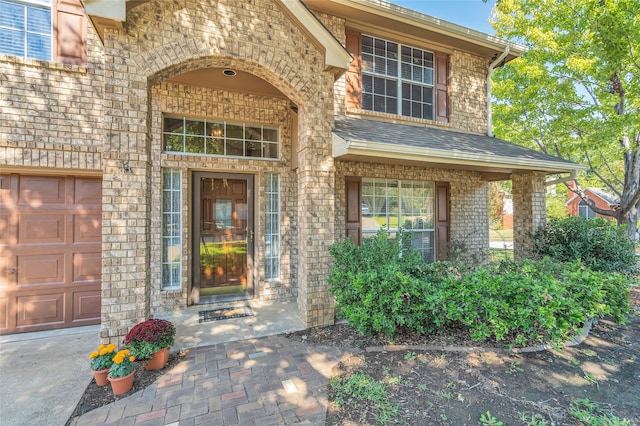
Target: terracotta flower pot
[[101, 376], [158, 360], [120, 385]]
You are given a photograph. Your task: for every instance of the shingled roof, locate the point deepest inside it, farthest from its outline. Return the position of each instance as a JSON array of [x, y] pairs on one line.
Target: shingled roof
[[368, 140]]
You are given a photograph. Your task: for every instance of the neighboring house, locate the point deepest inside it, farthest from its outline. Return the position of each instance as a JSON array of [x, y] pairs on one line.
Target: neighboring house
[[576, 206], [157, 155]]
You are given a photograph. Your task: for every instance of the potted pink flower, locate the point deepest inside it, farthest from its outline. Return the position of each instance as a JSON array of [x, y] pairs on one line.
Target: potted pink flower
[[150, 341]]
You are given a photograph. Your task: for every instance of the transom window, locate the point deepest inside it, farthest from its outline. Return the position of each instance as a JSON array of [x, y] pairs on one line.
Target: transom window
[[220, 138], [396, 79], [407, 204], [25, 28]]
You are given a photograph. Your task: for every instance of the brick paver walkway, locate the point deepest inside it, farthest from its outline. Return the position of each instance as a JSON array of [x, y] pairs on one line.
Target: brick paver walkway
[[264, 381]]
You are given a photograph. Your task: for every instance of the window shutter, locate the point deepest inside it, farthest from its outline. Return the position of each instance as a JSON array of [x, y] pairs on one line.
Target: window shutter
[[70, 32], [353, 83], [442, 76], [354, 205], [442, 220]]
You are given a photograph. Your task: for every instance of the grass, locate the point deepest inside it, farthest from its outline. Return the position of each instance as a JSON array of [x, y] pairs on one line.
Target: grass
[[501, 234], [593, 415], [359, 388]]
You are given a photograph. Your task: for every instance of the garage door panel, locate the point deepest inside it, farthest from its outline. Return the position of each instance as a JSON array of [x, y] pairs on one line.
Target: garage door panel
[[41, 229], [50, 252], [40, 190], [87, 267], [41, 269], [40, 309], [86, 305], [87, 228], [88, 191]]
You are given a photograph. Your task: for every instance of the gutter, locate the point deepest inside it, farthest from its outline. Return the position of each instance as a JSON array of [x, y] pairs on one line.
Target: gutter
[[492, 67], [572, 176]]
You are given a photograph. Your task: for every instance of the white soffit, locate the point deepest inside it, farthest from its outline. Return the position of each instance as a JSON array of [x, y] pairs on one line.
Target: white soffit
[[107, 9]]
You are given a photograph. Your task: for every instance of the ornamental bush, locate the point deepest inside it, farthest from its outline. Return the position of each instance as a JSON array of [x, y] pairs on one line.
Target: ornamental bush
[[599, 243], [384, 286]]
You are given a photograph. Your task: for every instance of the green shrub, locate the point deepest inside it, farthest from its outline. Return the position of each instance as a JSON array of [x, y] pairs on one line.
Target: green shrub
[[384, 286], [542, 301], [599, 243]]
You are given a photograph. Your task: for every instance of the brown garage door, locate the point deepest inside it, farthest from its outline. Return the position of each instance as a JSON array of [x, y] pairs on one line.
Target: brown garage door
[[50, 252]]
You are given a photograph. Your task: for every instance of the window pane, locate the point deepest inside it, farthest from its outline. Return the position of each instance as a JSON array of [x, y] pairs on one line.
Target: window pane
[[173, 125], [39, 46], [235, 131], [39, 20], [254, 149], [215, 129], [253, 133], [194, 127], [367, 44], [194, 144], [214, 146], [173, 142], [11, 42], [270, 135], [12, 15], [235, 148], [270, 150]]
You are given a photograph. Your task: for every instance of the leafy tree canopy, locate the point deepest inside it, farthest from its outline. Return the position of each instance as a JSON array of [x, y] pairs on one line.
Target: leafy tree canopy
[[576, 92]]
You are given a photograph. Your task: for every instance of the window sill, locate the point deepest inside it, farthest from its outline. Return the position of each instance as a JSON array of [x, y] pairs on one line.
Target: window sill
[[37, 63], [355, 112]]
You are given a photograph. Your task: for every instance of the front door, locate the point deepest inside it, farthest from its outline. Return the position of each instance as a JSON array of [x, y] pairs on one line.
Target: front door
[[222, 236]]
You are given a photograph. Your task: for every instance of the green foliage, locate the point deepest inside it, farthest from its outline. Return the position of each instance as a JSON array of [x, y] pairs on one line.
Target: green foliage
[[597, 242], [575, 93], [487, 419], [591, 414], [354, 389], [379, 291]]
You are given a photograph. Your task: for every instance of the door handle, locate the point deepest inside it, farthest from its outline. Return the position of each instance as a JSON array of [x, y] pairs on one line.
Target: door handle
[[12, 271]]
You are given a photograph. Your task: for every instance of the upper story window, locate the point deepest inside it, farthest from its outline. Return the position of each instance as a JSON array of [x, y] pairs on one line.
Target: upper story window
[[223, 138], [397, 79], [394, 78], [26, 28]]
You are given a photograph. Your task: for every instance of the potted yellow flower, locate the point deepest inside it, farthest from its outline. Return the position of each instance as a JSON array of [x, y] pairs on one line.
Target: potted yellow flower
[[101, 361], [121, 372], [150, 340]]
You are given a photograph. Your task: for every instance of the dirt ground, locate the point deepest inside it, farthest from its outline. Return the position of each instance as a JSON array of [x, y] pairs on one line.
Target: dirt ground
[[453, 388]]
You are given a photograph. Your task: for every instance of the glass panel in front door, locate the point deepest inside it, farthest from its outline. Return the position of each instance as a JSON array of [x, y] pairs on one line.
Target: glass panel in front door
[[223, 234]]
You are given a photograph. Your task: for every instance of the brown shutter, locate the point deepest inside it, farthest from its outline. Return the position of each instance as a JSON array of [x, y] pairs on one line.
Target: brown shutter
[[353, 84], [70, 32], [442, 220], [354, 204], [442, 76]]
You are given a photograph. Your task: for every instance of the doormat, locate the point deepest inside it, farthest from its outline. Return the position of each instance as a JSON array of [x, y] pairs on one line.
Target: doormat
[[225, 313]]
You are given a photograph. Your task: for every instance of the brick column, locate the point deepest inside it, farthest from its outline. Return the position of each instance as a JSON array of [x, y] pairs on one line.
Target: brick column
[[316, 215], [529, 209], [126, 199]]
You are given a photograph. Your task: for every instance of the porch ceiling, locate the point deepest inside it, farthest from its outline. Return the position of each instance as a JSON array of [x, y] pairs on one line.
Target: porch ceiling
[[357, 139]]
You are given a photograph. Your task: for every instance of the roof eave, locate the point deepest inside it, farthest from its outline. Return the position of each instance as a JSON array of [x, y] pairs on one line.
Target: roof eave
[[377, 150]]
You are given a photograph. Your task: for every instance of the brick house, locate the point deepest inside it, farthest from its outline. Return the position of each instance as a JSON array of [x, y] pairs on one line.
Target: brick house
[[161, 155], [576, 206]]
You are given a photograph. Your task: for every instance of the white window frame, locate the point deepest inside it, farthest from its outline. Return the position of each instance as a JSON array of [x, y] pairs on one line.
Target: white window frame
[[389, 66], [217, 138], [585, 211], [40, 4], [171, 229], [398, 194], [272, 227]]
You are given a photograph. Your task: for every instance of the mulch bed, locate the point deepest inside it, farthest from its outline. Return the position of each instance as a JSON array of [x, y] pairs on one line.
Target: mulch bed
[[96, 396]]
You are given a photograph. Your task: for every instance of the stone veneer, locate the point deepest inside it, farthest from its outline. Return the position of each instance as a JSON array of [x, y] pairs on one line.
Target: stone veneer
[[194, 36], [529, 209], [179, 99]]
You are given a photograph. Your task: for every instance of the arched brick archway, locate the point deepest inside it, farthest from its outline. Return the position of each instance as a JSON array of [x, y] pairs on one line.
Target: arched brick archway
[[292, 65]]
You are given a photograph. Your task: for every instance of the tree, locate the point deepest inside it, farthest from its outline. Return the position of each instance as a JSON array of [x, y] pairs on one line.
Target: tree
[[575, 93]]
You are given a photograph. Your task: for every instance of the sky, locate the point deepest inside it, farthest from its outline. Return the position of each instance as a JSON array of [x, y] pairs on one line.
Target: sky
[[469, 13]]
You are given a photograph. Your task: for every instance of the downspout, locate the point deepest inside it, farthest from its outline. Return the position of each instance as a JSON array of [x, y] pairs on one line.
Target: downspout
[[493, 65]]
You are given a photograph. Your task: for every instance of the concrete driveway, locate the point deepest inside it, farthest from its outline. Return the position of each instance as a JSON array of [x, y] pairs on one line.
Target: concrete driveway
[[43, 374]]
